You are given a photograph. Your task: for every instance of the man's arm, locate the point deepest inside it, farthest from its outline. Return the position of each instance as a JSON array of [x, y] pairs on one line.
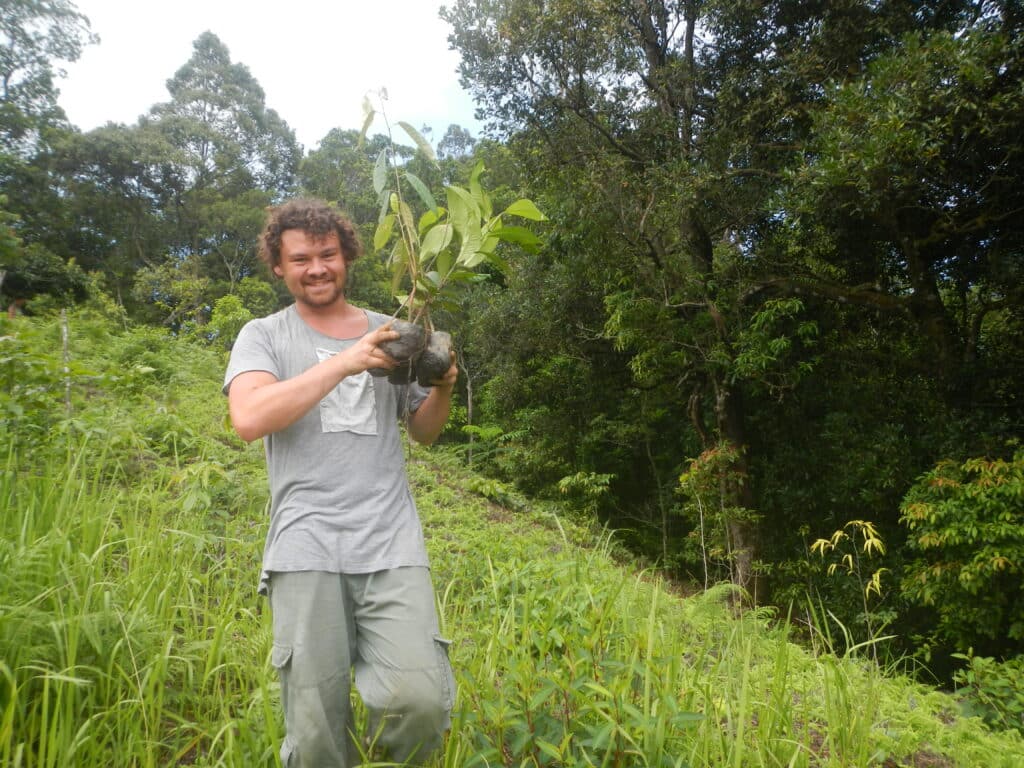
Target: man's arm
[[260, 404], [427, 421]]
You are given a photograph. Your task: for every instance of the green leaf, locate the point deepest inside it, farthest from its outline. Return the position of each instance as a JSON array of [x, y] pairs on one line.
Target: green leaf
[[549, 749], [463, 208], [477, 190], [383, 232], [422, 143], [399, 262], [526, 209], [436, 240], [463, 276], [405, 221], [421, 190], [469, 254], [521, 236], [368, 114], [458, 210], [445, 262], [380, 172], [490, 242], [427, 220]]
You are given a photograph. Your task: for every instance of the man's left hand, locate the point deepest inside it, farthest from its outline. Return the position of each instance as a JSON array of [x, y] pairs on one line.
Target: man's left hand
[[448, 380]]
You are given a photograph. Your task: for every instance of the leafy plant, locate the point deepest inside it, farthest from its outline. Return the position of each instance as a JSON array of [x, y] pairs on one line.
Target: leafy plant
[[993, 690], [966, 524], [707, 507], [446, 246], [853, 545]]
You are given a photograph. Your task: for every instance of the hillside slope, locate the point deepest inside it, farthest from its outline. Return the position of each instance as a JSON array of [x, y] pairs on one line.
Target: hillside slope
[[131, 524]]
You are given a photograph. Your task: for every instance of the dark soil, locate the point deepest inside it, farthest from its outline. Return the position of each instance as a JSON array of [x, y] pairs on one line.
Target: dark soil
[[435, 360], [421, 355]]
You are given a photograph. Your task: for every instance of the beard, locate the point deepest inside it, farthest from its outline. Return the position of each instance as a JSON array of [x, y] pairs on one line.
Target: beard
[[321, 294]]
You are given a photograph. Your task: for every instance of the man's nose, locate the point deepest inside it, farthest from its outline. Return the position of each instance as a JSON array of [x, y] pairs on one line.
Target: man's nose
[[316, 266]]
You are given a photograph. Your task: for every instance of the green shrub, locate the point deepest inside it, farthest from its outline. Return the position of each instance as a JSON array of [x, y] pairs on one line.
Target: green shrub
[[993, 690], [966, 525]]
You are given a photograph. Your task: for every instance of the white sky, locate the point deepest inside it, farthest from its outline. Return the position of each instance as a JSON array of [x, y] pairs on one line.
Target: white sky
[[314, 59]]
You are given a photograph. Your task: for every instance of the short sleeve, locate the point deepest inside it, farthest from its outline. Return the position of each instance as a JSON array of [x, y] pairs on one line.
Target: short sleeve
[[252, 351], [417, 395]]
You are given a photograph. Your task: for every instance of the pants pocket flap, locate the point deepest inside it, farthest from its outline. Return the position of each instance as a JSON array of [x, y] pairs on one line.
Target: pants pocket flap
[[280, 655]]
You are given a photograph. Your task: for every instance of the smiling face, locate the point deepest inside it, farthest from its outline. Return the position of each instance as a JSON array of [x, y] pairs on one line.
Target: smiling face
[[313, 268]]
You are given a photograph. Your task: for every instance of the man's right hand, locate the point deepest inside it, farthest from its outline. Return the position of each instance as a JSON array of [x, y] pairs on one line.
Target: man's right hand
[[259, 404], [366, 353]]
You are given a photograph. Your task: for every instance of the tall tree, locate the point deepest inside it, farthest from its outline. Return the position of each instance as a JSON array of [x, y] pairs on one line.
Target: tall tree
[[664, 155], [35, 37], [235, 153], [180, 195]]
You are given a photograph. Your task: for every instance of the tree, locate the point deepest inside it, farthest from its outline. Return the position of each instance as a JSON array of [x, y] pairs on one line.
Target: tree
[[235, 157], [181, 194], [673, 166], [457, 143], [965, 522], [920, 161], [113, 184], [341, 170], [218, 118], [35, 36], [609, 99]]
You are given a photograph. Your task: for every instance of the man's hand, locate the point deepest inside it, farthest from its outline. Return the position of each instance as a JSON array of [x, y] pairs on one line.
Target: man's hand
[[366, 353], [427, 422], [260, 404], [448, 380]]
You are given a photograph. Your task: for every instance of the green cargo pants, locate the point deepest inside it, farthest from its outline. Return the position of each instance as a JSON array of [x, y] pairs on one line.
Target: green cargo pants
[[380, 628]]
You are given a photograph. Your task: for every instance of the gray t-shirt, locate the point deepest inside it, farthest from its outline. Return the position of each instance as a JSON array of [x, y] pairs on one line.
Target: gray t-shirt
[[340, 499]]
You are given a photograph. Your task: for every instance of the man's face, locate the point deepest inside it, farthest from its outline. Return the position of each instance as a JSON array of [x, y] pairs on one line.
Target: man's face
[[313, 269]]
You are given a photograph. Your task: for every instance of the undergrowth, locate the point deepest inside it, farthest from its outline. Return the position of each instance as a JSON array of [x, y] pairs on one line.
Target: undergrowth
[[131, 634]]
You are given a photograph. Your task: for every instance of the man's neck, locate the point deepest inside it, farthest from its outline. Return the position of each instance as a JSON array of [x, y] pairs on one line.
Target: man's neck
[[340, 320]]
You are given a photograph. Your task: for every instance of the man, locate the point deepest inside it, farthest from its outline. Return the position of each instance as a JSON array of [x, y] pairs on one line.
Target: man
[[344, 563]]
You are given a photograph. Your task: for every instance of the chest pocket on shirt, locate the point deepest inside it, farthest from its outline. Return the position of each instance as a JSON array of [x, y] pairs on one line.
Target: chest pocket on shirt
[[351, 406]]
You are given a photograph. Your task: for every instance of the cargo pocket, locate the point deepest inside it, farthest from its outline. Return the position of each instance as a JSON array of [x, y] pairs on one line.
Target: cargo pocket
[[280, 655], [280, 659], [444, 668], [287, 754]]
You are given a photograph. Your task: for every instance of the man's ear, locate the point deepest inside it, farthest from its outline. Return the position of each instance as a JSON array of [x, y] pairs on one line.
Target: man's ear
[[277, 270]]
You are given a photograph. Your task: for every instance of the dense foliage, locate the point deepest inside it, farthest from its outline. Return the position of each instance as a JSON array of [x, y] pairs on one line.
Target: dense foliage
[[131, 634], [778, 296], [782, 279]]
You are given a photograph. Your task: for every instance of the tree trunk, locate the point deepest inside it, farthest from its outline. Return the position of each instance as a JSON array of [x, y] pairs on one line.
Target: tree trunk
[[735, 490]]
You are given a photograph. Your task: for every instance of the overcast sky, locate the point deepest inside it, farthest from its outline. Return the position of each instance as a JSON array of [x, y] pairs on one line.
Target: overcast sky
[[315, 60]]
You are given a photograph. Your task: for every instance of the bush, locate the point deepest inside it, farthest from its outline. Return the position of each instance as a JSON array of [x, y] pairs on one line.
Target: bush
[[992, 690], [966, 525]]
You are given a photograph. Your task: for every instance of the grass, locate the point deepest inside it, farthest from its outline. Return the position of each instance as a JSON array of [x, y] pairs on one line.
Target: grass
[[131, 633]]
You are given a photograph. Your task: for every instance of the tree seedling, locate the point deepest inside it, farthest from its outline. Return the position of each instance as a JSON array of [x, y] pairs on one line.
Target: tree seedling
[[435, 254]]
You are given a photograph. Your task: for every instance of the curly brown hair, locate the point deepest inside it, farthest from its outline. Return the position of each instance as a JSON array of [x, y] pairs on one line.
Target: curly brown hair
[[314, 217]]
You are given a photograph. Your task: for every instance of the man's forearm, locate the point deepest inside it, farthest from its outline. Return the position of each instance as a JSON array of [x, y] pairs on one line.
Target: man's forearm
[[260, 404], [260, 407], [427, 423]]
